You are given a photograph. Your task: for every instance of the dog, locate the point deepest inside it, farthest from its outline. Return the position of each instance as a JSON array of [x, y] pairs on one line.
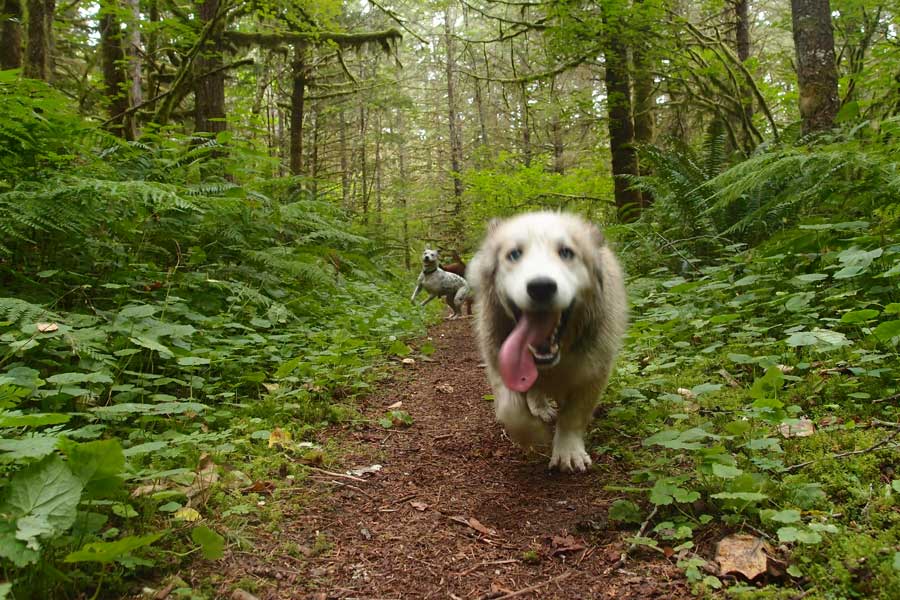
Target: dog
[[458, 267], [550, 315], [439, 283]]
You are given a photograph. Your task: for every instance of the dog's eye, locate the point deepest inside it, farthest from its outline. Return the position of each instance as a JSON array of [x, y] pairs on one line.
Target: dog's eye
[[514, 255], [566, 253]]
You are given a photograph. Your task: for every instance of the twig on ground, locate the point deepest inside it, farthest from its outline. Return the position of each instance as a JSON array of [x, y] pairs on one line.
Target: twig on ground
[[536, 586], [490, 563], [331, 474], [348, 485], [623, 558], [890, 398], [729, 378], [871, 448]]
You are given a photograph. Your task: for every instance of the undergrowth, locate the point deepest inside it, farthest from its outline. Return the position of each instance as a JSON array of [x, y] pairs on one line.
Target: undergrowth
[[170, 338], [760, 382]]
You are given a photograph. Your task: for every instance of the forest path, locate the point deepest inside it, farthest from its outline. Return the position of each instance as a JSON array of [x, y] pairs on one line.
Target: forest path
[[456, 511]]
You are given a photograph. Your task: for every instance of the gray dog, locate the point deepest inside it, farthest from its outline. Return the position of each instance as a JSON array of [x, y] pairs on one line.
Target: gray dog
[[440, 284]]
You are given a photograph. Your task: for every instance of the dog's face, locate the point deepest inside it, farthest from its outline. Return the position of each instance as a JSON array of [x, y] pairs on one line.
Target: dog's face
[[429, 258], [539, 266]]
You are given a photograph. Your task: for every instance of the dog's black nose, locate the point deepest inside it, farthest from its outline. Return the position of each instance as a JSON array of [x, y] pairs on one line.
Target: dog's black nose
[[541, 289]]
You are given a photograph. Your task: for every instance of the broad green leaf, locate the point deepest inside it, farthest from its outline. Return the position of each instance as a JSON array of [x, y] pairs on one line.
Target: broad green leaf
[[32, 446], [887, 330], [33, 419], [193, 361], [74, 378], [151, 344], [107, 552], [896, 562], [859, 316], [768, 385], [212, 545], [138, 311], [98, 464], [43, 500], [624, 511], [725, 471], [743, 496], [785, 516]]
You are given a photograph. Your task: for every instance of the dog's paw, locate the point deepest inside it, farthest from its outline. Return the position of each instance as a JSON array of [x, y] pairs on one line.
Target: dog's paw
[[569, 456], [546, 413]]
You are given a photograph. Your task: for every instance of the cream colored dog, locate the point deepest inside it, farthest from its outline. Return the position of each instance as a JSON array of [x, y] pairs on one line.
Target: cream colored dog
[[551, 312]]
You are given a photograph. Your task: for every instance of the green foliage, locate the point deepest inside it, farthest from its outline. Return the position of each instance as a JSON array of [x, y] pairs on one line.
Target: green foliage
[[156, 320], [801, 330]]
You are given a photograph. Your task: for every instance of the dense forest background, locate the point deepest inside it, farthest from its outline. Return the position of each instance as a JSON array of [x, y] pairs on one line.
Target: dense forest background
[[211, 213]]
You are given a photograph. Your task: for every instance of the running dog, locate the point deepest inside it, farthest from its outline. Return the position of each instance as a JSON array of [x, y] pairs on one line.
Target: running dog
[[459, 268], [551, 311], [440, 284]]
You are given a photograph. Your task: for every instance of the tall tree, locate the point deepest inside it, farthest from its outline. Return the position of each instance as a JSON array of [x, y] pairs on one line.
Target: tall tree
[[298, 101], [37, 46], [816, 65], [10, 34], [209, 82], [619, 109], [453, 120], [113, 61]]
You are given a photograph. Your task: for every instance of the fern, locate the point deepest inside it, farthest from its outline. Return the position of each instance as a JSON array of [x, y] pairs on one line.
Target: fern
[[16, 310]]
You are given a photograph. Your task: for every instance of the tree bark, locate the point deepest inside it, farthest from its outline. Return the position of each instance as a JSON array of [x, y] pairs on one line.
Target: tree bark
[[453, 122], [402, 187], [209, 83], [298, 99], [816, 65], [621, 125], [136, 95], [37, 45], [11, 34], [113, 60], [345, 162], [526, 127]]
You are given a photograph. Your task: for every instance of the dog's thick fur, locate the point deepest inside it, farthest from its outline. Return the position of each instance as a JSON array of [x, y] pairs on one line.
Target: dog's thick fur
[[588, 295], [440, 284]]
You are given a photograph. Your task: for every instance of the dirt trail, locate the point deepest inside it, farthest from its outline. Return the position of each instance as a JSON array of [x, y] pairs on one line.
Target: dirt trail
[[456, 511]]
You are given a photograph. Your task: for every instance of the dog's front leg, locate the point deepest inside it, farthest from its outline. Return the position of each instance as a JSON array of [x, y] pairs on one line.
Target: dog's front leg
[[575, 413], [540, 406], [417, 290]]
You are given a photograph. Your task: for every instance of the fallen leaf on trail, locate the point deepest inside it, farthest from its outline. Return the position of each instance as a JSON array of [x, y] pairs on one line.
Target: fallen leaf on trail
[[474, 524], [562, 544], [271, 387], [359, 471], [785, 368], [408, 361], [143, 490], [419, 506], [804, 428], [365, 533], [742, 553], [279, 437], [186, 513], [240, 594], [396, 404], [47, 327], [444, 388], [260, 487], [686, 393]]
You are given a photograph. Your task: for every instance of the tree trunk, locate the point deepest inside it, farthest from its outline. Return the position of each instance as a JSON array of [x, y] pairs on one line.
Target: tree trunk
[[526, 127], [363, 166], [378, 170], [136, 96], [298, 98], [816, 67], [314, 153], [11, 34], [453, 121], [113, 60], [742, 45], [402, 187], [345, 162], [621, 126], [209, 85], [37, 46]]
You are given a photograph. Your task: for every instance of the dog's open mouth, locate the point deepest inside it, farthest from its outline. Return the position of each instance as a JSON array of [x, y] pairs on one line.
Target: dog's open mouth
[[533, 343]]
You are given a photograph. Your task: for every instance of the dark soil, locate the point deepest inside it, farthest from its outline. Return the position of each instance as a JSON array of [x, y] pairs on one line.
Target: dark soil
[[456, 511]]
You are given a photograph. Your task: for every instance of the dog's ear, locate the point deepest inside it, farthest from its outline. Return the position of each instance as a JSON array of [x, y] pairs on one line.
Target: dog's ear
[[598, 253], [493, 225]]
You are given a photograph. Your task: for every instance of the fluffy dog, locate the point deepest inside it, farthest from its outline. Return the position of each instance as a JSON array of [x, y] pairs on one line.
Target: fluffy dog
[[550, 314], [440, 284]]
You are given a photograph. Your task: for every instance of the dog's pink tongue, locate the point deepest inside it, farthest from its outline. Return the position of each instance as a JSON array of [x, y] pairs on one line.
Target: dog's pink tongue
[[516, 362]]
